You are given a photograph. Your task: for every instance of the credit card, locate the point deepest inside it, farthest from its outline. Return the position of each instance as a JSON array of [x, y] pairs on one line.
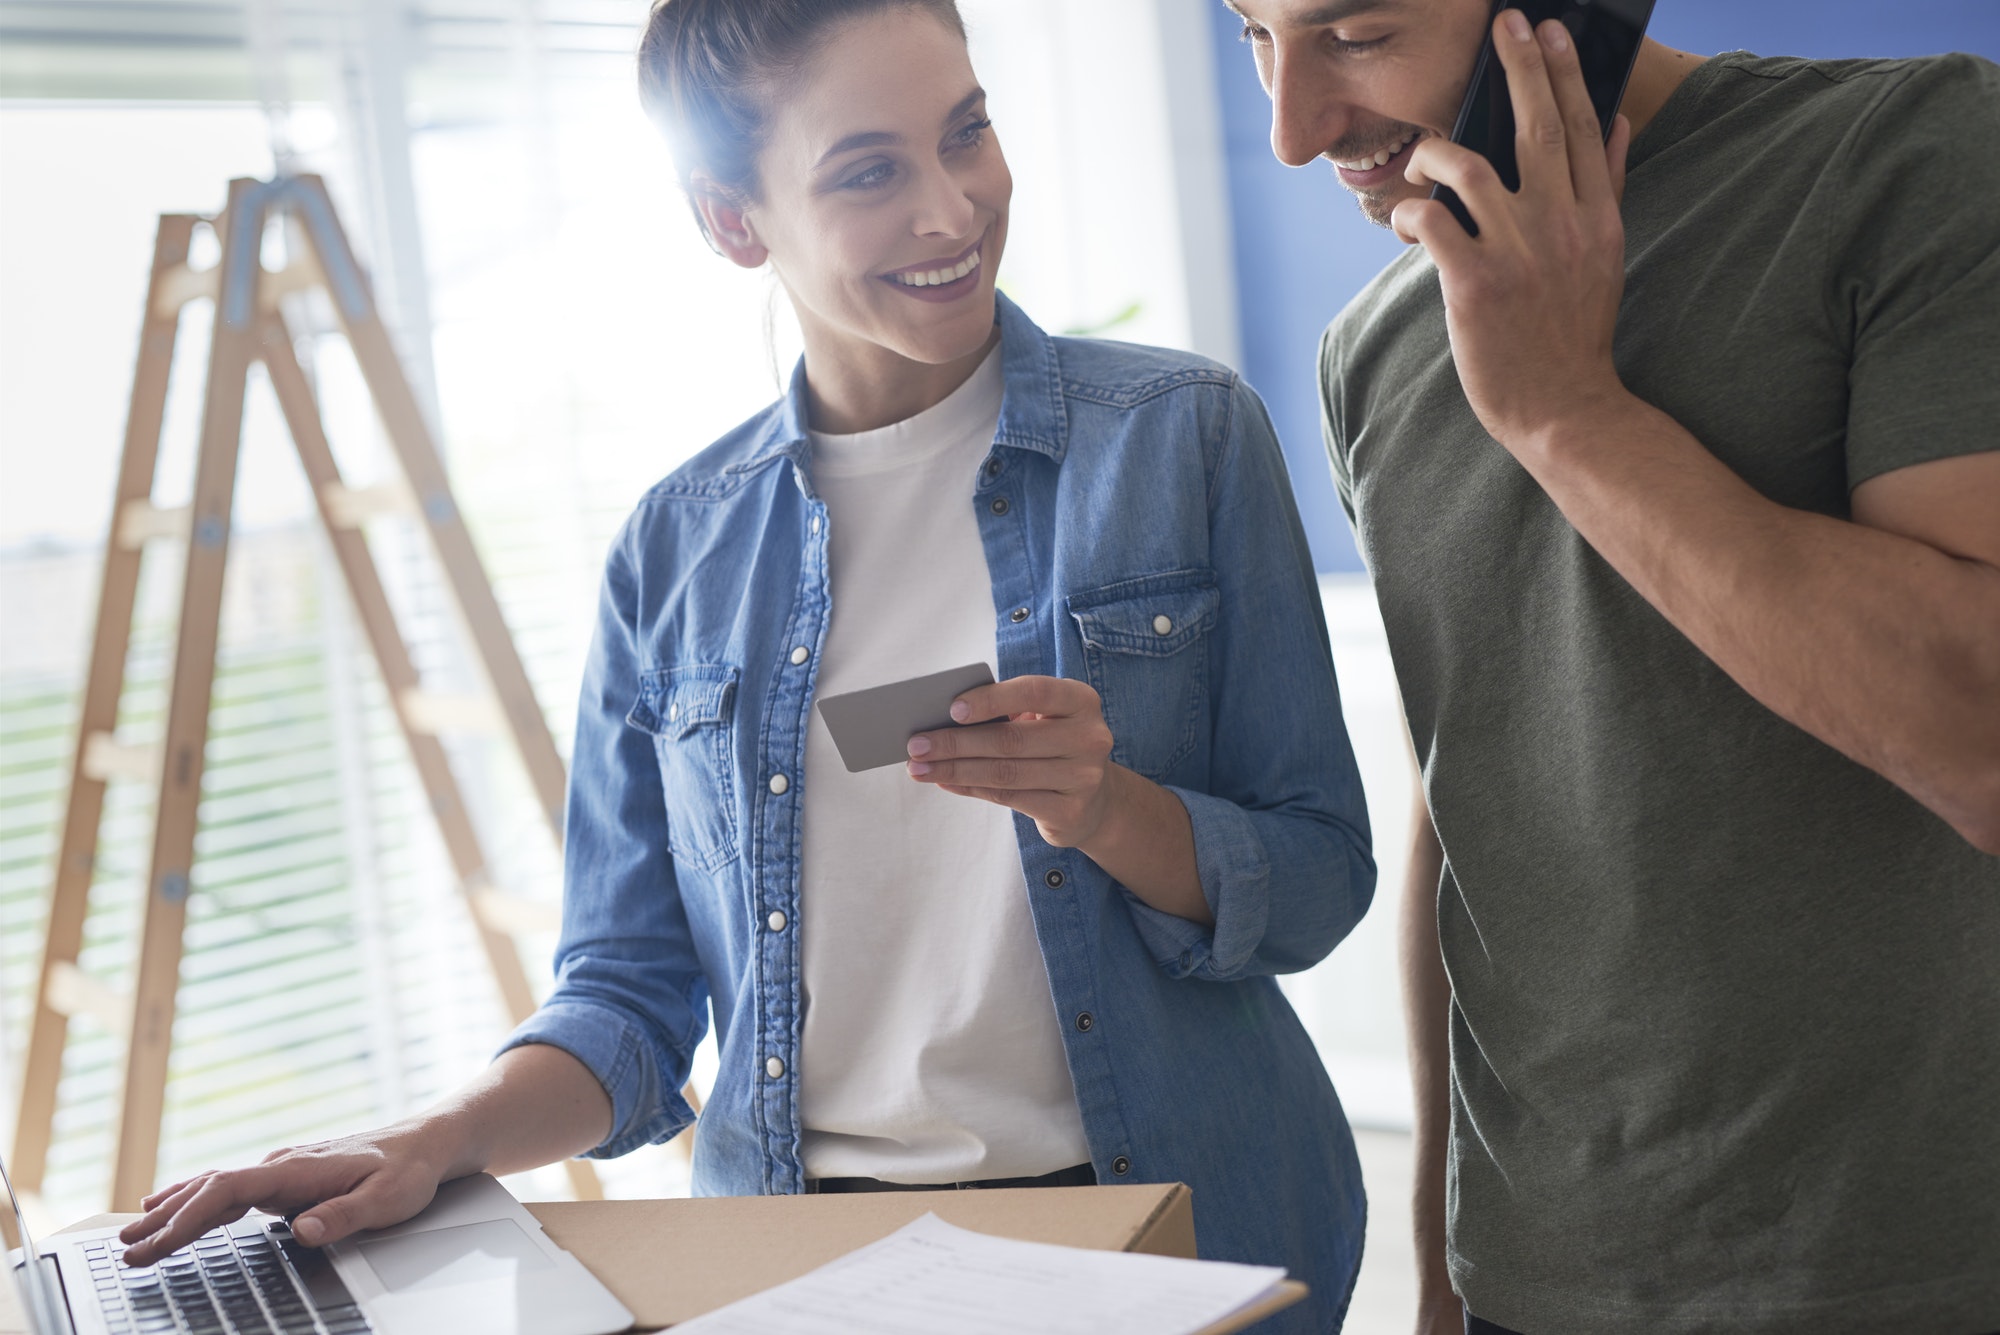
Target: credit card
[[872, 728]]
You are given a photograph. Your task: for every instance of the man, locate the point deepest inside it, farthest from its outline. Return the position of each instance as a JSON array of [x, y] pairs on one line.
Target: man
[[1684, 517]]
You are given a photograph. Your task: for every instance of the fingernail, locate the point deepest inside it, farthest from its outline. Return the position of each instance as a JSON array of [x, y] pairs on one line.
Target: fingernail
[[920, 746], [1555, 36], [1517, 26], [919, 767], [960, 711], [309, 1231]]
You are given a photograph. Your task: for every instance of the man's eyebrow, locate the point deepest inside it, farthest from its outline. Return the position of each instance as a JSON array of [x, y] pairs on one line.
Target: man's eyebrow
[[878, 138], [1334, 11]]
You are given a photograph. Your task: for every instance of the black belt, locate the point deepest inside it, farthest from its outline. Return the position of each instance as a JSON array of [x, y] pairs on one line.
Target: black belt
[[1081, 1175]]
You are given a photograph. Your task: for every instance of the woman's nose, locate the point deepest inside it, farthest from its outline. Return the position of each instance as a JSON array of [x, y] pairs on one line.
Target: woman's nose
[[945, 209]]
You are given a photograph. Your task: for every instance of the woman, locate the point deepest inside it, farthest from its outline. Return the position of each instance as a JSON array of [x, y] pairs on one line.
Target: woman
[[1041, 951]]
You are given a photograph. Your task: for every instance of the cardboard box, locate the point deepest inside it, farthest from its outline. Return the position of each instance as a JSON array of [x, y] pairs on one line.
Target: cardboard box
[[672, 1260]]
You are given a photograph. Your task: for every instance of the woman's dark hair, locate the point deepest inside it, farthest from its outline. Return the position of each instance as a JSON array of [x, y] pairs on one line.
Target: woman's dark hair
[[708, 68]]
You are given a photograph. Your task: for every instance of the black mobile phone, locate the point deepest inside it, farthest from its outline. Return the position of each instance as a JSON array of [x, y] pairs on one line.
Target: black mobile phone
[[1607, 33]]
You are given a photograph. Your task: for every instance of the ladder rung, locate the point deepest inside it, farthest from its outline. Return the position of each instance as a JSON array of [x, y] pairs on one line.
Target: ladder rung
[[74, 992], [514, 915], [106, 758], [297, 276], [436, 714], [351, 507], [180, 285], [142, 521]]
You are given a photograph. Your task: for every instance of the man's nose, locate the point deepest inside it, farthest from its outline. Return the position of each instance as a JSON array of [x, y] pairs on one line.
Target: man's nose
[[1303, 108]]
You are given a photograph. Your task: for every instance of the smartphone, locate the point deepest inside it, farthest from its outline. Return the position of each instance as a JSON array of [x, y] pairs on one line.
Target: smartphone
[[1607, 33]]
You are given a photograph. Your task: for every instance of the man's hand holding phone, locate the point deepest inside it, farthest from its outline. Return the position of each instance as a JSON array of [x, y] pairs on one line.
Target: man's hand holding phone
[[1532, 301]]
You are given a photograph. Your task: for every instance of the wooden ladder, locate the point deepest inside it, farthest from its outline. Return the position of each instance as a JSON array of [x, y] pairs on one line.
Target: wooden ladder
[[250, 326]]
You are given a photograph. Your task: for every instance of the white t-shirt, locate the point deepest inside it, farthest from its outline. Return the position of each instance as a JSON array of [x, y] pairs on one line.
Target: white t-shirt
[[931, 1050]]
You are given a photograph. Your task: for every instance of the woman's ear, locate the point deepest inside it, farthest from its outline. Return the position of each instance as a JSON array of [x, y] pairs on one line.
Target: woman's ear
[[728, 227]]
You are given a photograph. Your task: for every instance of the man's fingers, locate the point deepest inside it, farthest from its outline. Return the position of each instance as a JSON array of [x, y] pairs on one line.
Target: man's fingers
[[1616, 150], [1587, 174], [1441, 162], [1429, 223], [1541, 139], [160, 1207]]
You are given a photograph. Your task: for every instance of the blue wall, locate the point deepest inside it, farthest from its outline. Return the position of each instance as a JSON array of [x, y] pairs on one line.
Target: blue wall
[[1302, 249]]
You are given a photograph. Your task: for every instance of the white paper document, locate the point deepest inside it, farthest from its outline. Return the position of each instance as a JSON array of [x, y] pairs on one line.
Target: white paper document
[[931, 1277]]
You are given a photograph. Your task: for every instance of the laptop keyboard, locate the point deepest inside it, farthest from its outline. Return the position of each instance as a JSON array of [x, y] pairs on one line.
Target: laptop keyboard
[[229, 1282]]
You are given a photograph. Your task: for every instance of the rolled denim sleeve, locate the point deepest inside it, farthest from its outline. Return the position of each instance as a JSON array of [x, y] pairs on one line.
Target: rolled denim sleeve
[[630, 999], [1281, 830]]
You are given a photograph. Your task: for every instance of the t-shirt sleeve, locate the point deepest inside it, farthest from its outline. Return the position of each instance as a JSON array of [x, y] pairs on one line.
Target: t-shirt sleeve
[[1917, 270], [1330, 415]]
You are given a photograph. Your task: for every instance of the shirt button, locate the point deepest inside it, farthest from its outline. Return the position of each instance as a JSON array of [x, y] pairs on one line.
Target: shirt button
[[1121, 1165], [779, 783], [1054, 880], [815, 525], [993, 467], [1163, 624], [1083, 1023], [999, 506], [800, 655], [1018, 615], [673, 712], [776, 1070], [776, 922]]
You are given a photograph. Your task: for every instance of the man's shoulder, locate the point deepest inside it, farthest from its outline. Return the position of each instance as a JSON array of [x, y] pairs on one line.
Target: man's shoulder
[[1393, 322], [1842, 99]]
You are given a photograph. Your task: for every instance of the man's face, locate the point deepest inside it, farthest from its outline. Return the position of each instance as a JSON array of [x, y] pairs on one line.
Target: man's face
[[1358, 82]]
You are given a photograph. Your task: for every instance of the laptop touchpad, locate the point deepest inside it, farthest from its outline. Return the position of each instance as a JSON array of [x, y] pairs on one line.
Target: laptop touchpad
[[443, 1257]]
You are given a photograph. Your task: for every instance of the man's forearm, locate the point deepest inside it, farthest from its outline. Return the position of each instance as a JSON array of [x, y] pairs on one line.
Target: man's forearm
[[1884, 647], [1426, 1014]]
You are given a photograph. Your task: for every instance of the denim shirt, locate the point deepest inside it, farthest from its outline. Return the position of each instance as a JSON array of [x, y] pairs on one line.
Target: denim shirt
[[1140, 536]]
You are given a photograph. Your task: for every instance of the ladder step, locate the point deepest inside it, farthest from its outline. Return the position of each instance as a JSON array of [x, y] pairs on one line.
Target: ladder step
[[436, 714], [351, 507], [514, 915], [73, 992], [139, 522], [106, 758], [180, 285]]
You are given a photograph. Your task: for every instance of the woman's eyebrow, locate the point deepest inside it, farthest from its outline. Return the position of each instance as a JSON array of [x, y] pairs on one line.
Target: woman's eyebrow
[[878, 138]]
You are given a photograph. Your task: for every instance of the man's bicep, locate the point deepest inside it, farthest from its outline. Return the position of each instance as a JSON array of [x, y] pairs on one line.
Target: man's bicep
[[1950, 504]]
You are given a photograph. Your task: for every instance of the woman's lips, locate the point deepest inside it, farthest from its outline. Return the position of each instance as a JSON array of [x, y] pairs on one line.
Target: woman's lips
[[931, 284]]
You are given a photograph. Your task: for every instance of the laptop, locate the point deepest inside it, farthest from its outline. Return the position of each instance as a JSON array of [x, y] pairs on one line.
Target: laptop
[[474, 1260]]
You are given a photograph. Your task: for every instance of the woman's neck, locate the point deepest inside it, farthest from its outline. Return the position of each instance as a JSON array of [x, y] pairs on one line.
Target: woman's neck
[[853, 385]]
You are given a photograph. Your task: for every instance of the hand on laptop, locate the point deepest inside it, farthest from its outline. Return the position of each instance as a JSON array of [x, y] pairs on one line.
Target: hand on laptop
[[331, 1189]]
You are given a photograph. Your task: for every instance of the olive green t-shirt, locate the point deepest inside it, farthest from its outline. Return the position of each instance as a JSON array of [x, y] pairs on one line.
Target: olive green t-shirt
[[1725, 1033]]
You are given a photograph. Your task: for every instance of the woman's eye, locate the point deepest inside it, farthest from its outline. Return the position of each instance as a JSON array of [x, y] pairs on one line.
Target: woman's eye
[[971, 135], [875, 176]]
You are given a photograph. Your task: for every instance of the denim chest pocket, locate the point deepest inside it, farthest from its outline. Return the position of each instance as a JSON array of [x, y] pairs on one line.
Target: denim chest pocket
[[1145, 646], [691, 714]]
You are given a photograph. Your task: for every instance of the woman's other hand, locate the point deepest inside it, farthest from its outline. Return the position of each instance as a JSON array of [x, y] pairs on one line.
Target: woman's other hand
[[330, 1190], [1045, 751]]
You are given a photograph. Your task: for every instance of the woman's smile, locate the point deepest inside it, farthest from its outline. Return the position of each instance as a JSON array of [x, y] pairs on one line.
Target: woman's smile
[[941, 280]]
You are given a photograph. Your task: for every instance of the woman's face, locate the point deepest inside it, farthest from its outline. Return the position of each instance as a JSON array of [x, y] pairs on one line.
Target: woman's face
[[884, 196]]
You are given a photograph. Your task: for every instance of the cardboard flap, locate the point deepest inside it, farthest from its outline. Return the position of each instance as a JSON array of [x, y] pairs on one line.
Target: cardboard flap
[[672, 1260]]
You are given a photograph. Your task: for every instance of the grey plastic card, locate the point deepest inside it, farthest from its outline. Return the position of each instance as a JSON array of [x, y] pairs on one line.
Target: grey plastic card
[[872, 728]]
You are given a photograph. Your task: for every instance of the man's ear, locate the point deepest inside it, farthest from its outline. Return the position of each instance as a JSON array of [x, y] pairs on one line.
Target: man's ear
[[728, 228]]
